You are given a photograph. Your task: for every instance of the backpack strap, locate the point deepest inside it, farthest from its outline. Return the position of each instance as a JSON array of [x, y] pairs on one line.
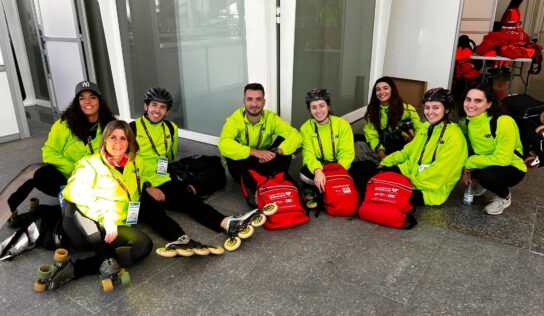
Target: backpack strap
[[133, 128], [493, 128], [170, 128]]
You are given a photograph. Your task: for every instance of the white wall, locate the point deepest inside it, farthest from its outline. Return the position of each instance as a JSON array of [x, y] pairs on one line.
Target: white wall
[[8, 121], [421, 40]]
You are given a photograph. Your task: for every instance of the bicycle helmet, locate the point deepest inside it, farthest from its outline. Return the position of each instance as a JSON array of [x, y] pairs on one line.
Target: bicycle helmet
[[159, 95]]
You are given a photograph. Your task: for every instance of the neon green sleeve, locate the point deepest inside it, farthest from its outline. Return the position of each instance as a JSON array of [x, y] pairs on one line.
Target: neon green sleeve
[[309, 156], [228, 146], [413, 115], [505, 144], [52, 151], [372, 136], [292, 138], [346, 147]]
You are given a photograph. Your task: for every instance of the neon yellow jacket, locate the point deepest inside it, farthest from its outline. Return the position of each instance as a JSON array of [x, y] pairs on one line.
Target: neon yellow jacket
[[373, 136], [96, 193], [343, 143], [63, 149], [437, 180], [159, 133], [498, 151], [233, 143]]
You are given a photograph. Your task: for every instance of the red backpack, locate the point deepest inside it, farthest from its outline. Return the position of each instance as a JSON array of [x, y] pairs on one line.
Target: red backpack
[[277, 189], [387, 201], [340, 197]]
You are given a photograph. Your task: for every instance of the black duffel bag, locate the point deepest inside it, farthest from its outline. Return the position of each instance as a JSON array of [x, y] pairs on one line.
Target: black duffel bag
[[203, 174]]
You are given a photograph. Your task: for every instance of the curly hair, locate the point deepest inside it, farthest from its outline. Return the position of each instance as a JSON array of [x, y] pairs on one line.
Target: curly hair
[[396, 106], [77, 120]]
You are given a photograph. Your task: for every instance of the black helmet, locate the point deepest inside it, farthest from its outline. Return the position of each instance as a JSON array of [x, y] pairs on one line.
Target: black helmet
[[159, 95], [318, 94], [439, 95]]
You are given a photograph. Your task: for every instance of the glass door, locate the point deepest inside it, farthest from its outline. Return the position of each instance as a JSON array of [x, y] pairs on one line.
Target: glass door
[[203, 51], [332, 45]]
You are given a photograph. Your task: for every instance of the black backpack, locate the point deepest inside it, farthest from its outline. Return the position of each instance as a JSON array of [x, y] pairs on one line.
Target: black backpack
[[203, 174]]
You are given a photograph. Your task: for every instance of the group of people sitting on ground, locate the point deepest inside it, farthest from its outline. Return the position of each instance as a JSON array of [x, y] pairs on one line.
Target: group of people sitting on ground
[[115, 174]]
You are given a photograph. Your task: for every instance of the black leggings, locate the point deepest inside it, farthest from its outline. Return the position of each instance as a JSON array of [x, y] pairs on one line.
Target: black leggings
[[47, 179], [130, 246], [238, 169], [498, 179], [177, 199]]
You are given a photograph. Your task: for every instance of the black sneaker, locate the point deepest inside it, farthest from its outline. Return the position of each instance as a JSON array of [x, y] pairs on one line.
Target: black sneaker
[[63, 275]]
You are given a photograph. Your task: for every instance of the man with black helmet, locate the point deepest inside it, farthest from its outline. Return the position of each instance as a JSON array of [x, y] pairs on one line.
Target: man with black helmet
[[246, 140], [158, 141]]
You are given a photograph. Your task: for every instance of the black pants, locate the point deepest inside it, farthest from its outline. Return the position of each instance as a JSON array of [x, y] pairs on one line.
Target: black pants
[[178, 199], [47, 179], [362, 171], [498, 179], [238, 169], [130, 246]]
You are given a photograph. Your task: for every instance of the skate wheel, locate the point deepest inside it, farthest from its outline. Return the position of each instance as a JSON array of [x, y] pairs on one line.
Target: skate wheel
[[191, 188], [33, 203], [168, 253], [45, 271], [259, 221], [201, 251], [216, 250], [540, 129], [185, 252], [246, 232], [107, 285], [270, 209], [40, 286], [125, 277], [61, 255], [311, 204], [233, 243]]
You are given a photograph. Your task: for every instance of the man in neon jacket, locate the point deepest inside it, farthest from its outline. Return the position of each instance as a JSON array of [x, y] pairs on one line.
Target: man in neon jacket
[[246, 138]]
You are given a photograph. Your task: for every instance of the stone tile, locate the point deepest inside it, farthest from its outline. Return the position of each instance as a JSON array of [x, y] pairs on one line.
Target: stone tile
[[144, 301], [513, 227], [537, 242], [390, 262], [467, 276]]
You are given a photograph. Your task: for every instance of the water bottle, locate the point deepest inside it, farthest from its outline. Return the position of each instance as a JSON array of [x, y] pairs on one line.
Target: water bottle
[[468, 197], [62, 201]]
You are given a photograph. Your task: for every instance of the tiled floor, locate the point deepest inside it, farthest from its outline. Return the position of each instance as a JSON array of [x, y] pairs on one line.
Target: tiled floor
[[457, 260]]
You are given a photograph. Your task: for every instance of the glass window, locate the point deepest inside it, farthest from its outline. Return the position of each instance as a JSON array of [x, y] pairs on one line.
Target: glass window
[[196, 49], [333, 45]]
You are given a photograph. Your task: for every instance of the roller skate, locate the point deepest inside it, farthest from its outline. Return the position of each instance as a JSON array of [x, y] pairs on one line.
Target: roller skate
[[52, 276], [111, 273], [186, 247], [241, 226]]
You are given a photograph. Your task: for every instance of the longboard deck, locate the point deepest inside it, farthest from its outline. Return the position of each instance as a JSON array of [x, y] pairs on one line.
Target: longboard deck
[[23, 176]]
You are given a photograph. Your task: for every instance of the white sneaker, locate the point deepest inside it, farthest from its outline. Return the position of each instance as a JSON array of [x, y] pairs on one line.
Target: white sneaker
[[498, 205], [478, 189]]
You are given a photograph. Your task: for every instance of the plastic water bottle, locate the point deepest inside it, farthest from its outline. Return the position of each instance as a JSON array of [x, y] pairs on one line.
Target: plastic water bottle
[[62, 201], [468, 197]]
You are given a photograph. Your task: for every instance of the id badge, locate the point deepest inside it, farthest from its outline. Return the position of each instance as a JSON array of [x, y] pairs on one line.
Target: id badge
[[132, 214], [423, 167], [162, 166]]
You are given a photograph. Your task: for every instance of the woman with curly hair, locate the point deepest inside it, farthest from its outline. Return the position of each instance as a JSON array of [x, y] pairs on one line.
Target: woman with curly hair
[[390, 122]]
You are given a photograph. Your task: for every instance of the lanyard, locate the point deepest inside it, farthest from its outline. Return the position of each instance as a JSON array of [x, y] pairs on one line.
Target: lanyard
[[321, 145], [90, 145], [260, 132], [151, 140], [123, 185], [436, 147]]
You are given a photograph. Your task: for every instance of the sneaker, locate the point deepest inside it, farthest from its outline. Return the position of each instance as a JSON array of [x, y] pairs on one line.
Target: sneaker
[[63, 275], [478, 190], [239, 222], [498, 205]]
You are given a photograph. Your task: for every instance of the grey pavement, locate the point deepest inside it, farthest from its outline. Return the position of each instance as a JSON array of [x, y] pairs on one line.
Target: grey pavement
[[456, 261]]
